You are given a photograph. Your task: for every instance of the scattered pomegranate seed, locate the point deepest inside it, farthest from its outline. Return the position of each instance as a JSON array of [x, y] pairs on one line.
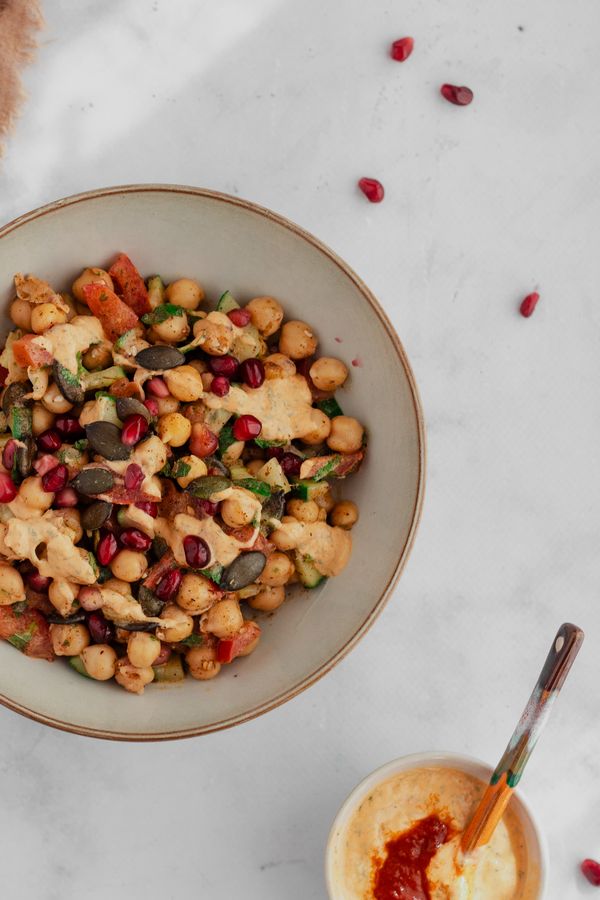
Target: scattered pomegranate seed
[[3, 375], [8, 489], [56, 479], [134, 539], [45, 463], [203, 441], [372, 189], [290, 463], [239, 317], [148, 507], [107, 548], [591, 870], [169, 585], [39, 583], [220, 385], [206, 507], [529, 304], [68, 425], [49, 441], [223, 365], [460, 96], [246, 428], [151, 404], [66, 498], [135, 427], [101, 631], [275, 453], [402, 49], [8, 454], [338, 340], [252, 372], [357, 363], [134, 475], [157, 387], [163, 656], [197, 552]]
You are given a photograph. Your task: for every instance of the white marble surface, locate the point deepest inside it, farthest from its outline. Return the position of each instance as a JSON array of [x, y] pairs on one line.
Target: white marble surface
[[288, 104]]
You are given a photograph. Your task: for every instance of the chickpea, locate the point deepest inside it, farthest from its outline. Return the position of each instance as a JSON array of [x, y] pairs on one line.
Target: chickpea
[[69, 640], [129, 565], [181, 625], [41, 419], [131, 677], [167, 405], [303, 510], [90, 276], [254, 466], [97, 357], [238, 509], [185, 383], [344, 514], [202, 662], [185, 292], [172, 330], [121, 587], [251, 647], [325, 501], [225, 619], [197, 470], [328, 374], [267, 314], [321, 429], [268, 598], [216, 334], [45, 315], [346, 435], [100, 661], [277, 365], [197, 593], [199, 365], [142, 649], [71, 304], [54, 401], [33, 494], [72, 519], [12, 589], [297, 340], [174, 429], [207, 380], [282, 538], [322, 517], [277, 571], [151, 455], [20, 313]]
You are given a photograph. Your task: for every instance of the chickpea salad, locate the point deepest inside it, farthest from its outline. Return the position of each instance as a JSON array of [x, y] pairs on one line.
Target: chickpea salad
[[166, 472]]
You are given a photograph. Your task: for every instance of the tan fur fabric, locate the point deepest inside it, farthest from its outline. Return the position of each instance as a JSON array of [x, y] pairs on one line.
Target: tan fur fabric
[[19, 22]]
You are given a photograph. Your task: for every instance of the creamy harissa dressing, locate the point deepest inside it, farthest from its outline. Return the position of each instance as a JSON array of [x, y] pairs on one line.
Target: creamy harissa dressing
[[64, 342], [498, 871], [47, 542], [328, 547]]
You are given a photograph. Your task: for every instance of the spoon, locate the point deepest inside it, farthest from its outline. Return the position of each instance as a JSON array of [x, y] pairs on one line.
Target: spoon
[[509, 770]]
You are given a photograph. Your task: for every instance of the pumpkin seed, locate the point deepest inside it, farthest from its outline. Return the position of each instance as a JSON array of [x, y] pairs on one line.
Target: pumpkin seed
[[159, 547], [67, 383], [150, 603], [14, 394], [207, 485], [159, 357], [245, 569], [137, 626], [55, 619], [274, 506], [93, 481], [105, 439], [24, 457], [129, 406], [213, 463], [96, 514]]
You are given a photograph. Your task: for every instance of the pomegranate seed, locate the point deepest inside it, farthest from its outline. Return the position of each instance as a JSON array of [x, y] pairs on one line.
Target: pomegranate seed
[[56, 479], [197, 552], [8, 490], [150, 508], [290, 463], [460, 96], [68, 425], [90, 597], [49, 441], [252, 372], [134, 539], [66, 498], [45, 464], [223, 365], [107, 548], [220, 385], [8, 454], [101, 631], [527, 306], [39, 583], [134, 429], [203, 441], [275, 453], [163, 656], [246, 428], [206, 507], [157, 387], [151, 404], [372, 189], [239, 317], [169, 585], [402, 49], [591, 870], [134, 475], [3, 375]]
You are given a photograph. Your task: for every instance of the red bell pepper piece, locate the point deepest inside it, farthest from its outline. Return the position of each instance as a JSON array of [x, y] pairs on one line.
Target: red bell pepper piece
[[130, 284], [28, 631], [28, 351], [228, 649], [115, 316]]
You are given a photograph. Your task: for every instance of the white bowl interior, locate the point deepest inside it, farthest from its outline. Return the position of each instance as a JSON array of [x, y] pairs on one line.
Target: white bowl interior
[[227, 244], [536, 846]]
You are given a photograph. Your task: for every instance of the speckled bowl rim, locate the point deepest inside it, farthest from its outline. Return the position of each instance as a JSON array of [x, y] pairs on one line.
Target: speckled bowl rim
[[461, 761], [416, 515]]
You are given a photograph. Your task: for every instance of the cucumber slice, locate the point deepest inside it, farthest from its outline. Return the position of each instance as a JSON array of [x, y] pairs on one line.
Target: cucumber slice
[[308, 575], [76, 663], [227, 302], [238, 471], [156, 291], [170, 671], [330, 407], [307, 489], [260, 488], [162, 313], [274, 476], [215, 419]]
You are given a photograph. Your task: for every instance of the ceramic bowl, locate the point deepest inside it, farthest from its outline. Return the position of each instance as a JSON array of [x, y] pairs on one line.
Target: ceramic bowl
[[227, 243], [537, 851]]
